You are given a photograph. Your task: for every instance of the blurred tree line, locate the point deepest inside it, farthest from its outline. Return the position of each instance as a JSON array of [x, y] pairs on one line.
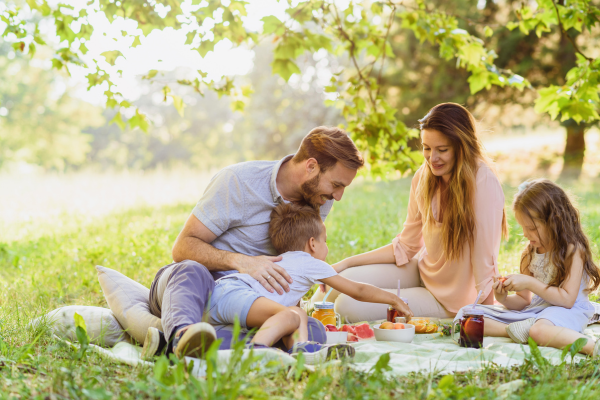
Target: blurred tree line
[[43, 125], [60, 132]]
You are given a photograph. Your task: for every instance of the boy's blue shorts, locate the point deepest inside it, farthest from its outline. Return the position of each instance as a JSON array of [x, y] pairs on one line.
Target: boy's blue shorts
[[230, 298]]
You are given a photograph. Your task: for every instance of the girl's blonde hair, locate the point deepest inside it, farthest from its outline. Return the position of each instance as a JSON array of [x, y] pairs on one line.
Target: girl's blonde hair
[[544, 201], [458, 225]]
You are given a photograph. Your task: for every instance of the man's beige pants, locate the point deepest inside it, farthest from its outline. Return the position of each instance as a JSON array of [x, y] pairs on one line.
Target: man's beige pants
[[385, 276]]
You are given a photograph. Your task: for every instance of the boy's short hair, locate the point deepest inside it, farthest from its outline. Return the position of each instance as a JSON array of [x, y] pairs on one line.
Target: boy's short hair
[[292, 226]]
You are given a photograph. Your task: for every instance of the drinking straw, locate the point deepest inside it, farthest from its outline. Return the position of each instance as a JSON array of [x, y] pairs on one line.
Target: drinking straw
[[324, 298], [477, 299]]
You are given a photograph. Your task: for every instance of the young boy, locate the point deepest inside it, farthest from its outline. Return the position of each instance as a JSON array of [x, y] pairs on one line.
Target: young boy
[[298, 234]]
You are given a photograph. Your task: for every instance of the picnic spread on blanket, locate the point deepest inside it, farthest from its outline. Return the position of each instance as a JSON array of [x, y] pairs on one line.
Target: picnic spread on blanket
[[421, 345]]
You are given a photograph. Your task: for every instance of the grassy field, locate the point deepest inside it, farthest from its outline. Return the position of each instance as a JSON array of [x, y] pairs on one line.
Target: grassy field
[[48, 265]]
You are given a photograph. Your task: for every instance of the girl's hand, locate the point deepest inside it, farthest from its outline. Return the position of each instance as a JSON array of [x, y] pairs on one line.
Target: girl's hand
[[500, 292], [517, 282]]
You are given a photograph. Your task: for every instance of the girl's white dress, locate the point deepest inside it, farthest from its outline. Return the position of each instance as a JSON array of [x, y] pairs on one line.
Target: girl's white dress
[[576, 318]]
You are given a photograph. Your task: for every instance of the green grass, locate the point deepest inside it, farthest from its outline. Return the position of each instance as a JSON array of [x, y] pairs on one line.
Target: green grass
[[55, 267]]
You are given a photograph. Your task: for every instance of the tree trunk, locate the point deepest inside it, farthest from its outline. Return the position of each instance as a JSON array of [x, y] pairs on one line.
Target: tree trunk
[[574, 150]]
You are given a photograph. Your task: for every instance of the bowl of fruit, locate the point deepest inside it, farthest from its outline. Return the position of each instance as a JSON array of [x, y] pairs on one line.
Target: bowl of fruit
[[394, 332]]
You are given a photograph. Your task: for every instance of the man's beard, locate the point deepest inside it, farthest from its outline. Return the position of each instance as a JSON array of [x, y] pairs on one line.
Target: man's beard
[[310, 192]]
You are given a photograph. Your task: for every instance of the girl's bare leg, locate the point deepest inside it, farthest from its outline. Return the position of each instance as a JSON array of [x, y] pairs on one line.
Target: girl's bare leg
[[545, 333], [494, 328]]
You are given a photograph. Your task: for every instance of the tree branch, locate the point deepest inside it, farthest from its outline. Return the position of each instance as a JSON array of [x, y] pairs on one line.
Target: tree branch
[[387, 35], [564, 32], [352, 56]]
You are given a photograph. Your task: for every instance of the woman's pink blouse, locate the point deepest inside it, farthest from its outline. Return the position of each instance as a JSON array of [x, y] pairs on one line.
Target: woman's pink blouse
[[455, 283]]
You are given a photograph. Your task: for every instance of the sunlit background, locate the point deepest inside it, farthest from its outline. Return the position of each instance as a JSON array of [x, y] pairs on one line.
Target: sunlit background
[[60, 157]]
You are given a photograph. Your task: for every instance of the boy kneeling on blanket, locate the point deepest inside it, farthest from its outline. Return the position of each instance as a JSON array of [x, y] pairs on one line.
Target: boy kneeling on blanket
[[299, 235]]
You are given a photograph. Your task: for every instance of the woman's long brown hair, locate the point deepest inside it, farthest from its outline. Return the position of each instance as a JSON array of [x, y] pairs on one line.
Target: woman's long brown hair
[[544, 201], [458, 225]]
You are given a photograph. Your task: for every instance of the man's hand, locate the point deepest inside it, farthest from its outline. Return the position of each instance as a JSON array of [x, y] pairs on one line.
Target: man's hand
[[266, 272], [517, 282]]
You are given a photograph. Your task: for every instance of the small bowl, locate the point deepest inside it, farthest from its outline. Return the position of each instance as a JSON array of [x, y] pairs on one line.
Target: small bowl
[[405, 335], [336, 337]]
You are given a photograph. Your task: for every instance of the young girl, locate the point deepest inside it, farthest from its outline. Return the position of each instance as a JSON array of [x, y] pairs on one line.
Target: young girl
[[556, 267]]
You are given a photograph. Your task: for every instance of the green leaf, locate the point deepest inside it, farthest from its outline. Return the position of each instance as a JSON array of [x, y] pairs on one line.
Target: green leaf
[[512, 25], [179, 104], [117, 119], [205, 47], [247, 90], [238, 105], [447, 382], [285, 68], [577, 346], [382, 364], [488, 32], [472, 53], [79, 321], [536, 354], [136, 41], [190, 37], [299, 366], [376, 8], [151, 74], [111, 56], [161, 367], [139, 120], [272, 24]]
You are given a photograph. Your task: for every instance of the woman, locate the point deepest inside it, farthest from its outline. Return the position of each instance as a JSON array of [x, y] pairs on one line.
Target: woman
[[455, 222]]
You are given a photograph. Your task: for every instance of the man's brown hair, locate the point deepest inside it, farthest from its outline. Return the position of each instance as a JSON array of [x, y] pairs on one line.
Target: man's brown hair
[[329, 145], [292, 226]]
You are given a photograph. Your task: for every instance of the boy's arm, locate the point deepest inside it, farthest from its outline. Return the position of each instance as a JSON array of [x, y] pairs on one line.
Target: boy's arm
[[367, 293]]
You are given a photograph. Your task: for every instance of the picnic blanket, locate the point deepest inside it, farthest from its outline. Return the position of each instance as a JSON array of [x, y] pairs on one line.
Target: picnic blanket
[[428, 353]]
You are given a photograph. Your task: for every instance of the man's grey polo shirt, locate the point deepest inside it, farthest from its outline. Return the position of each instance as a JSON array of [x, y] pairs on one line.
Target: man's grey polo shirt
[[237, 205]]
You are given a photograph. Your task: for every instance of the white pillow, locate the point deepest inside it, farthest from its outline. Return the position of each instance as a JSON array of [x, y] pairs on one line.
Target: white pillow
[[128, 300], [101, 324]]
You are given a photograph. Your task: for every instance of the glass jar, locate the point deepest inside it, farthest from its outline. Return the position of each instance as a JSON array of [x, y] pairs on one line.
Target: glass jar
[[324, 312], [392, 313]]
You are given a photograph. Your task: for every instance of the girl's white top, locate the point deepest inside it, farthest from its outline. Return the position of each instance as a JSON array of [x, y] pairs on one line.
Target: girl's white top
[[542, 268]]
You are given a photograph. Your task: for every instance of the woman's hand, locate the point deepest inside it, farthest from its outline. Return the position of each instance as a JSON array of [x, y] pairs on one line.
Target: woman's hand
[[500, 292], [517, 282]]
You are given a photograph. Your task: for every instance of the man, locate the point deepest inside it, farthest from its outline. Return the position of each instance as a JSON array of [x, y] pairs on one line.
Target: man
[[227, 232]]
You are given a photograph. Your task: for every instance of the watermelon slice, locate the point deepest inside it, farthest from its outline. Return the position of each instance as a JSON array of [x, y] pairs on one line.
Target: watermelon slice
[[331, 328], [364, 332], [351, 332]]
